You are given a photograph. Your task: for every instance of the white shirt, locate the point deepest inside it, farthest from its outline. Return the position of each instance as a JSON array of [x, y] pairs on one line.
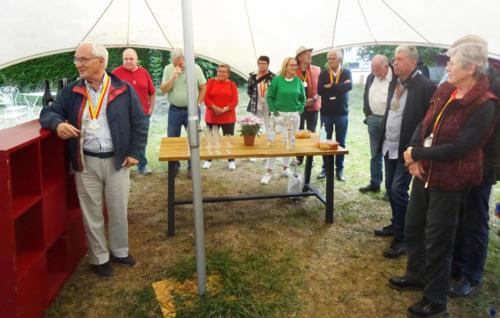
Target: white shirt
[[393, 125], [97, 140], [377, 94]]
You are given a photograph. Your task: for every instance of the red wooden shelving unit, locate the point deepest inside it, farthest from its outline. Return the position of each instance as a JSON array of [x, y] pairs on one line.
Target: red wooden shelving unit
[[41, 229]]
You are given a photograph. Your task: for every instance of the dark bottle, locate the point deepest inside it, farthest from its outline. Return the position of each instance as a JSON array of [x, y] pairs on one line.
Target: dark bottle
[[47, 97]]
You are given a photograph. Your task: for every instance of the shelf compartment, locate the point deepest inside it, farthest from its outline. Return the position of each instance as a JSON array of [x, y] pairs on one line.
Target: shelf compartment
[[54, 163], [32, 289], [54, 212], [57, 266], [25, 177], [29, 238]]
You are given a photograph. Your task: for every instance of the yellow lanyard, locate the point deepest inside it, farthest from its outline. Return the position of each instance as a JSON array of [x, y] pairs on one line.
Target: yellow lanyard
[[263, 86], [303, 77], [440, 115], [337, 76], [94, 112]]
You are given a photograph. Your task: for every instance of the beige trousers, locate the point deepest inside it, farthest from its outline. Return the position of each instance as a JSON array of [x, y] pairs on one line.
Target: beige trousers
[[100, 179]]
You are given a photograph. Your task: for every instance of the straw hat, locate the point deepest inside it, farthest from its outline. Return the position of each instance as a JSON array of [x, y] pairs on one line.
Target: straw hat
[[301, 50]]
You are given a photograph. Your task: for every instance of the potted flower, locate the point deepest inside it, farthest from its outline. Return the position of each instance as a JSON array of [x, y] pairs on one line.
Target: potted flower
[[250, 127]]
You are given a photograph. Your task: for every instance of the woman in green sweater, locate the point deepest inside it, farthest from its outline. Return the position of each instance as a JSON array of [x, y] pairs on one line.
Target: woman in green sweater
[[286, 98]]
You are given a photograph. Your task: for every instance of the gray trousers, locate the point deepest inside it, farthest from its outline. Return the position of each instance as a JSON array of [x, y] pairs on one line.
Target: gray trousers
[[431, 223], [99, 180]]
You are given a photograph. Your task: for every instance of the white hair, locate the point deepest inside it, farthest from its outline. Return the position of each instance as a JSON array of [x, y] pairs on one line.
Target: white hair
[[410, 50], [176, 53], [382, 59], [336, 52], [98, 50], [471, 50]]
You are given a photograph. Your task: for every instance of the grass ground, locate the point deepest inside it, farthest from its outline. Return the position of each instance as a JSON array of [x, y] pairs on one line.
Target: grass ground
[[276, 258]]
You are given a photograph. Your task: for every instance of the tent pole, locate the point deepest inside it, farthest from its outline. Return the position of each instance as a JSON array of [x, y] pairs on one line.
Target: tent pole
[[194, 144]]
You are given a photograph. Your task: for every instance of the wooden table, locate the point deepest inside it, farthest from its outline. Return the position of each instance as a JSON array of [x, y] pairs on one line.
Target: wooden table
[[176, 148]]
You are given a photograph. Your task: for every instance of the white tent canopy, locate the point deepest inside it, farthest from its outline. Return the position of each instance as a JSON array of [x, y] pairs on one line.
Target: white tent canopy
[[237, 31]]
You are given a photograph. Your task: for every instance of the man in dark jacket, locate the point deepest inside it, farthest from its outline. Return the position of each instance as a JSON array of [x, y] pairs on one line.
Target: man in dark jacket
[[334, 84], [374, 106], [408, 100], [101, 118]]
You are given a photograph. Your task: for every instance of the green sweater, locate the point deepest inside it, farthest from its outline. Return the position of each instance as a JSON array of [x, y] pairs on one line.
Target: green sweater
[[286, 96]]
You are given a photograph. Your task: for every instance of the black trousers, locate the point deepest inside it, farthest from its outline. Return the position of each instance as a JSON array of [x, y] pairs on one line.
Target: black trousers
[[431, 223]]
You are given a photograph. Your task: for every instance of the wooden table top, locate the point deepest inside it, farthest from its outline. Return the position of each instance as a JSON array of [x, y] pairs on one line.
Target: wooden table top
[[177, 148]]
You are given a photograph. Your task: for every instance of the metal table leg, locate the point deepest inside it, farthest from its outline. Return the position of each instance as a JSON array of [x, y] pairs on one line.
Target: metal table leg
[[171, 198], [330, 176]]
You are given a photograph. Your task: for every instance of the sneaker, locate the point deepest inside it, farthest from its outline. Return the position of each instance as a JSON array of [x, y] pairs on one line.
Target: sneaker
[[286, 173], [425, 308], [463, 288], [395, 250], [266, 178], [103, 270], [206, 164], [127, 261], [144, 171], [340, 176], [321, 175], [386, 231], [231, 165], [252, 159]]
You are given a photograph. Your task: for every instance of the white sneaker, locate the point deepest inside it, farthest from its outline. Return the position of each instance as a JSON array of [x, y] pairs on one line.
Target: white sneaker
[[286, 173], [231, 165], [266, 178], [206, 164], [252, 159]]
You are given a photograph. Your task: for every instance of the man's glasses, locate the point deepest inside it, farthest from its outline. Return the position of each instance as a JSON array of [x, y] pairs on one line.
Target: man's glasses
[[83, 60]]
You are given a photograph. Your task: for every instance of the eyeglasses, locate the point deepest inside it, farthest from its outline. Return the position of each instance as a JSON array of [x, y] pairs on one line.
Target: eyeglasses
[[83, 60], [293, 65]]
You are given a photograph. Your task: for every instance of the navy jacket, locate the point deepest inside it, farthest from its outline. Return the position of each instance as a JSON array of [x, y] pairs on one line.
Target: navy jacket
[[334, 100], [127, 122]]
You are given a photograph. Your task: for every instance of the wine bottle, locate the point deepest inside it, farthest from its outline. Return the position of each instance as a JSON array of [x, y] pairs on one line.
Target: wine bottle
[[47, 97]]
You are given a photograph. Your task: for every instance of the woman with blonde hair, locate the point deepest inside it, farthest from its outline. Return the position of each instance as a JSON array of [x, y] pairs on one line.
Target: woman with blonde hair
[[286, 99]]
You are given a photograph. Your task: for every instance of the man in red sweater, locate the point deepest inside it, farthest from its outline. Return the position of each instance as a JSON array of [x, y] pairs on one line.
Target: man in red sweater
[[141, 81]]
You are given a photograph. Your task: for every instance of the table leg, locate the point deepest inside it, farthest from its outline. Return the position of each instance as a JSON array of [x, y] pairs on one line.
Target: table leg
[[330, 176], [171, 199], [307, 172]]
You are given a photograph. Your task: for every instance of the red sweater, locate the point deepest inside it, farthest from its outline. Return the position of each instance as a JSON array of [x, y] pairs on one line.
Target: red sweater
[[221, 94], [141, 82]]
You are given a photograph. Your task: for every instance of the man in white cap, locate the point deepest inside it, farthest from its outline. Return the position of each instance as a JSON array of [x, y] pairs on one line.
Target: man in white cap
[[309, 75]]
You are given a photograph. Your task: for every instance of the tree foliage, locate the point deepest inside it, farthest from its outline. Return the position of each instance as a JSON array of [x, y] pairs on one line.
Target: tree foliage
[[427, 54], [30, 75]]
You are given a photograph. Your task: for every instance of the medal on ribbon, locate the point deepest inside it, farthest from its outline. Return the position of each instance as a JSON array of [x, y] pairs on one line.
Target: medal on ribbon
[[94, 111]]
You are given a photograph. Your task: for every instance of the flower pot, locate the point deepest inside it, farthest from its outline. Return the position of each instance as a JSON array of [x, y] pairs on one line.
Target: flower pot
[[249, 140]]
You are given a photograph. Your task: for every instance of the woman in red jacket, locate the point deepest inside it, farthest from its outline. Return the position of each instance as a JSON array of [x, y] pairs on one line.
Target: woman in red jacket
[[221, 100]]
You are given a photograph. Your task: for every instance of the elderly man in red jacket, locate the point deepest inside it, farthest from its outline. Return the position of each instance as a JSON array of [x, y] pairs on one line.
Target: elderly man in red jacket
[[309, 75]]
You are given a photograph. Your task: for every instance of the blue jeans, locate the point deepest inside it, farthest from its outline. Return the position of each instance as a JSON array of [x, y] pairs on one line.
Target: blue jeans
[[374, 123], [340, 123], [177, 117], [397, 183], [143, 161], [471, 243]]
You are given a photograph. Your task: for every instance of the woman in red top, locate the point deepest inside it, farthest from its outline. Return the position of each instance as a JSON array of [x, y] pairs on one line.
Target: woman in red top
[[221, 100]]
